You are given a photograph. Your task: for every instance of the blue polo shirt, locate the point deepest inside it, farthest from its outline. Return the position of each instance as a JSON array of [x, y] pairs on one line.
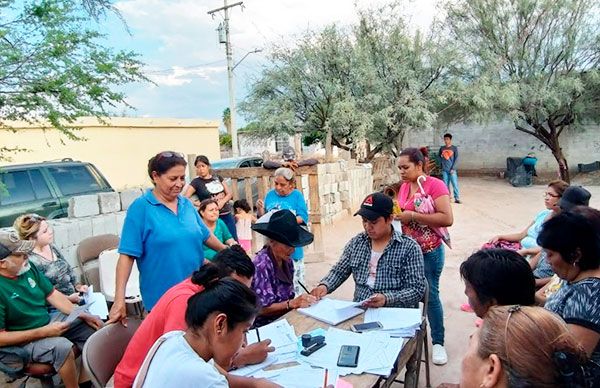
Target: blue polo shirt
[[295, 203], [168, 247]]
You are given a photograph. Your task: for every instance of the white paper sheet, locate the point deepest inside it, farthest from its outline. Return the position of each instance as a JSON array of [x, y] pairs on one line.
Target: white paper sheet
[[378, 352], [300, 376], [251, 369], [332, 311], [399, 322], [96, 302]]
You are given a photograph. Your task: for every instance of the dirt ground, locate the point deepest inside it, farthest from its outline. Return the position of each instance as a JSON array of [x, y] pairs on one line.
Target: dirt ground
[[490, 206]]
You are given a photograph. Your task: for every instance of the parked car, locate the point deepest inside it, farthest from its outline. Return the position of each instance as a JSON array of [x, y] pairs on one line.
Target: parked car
[[45, 188], [240, 162]]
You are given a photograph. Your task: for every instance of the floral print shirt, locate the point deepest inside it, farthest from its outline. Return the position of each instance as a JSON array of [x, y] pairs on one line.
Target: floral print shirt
[[59, 272], [271, 283]]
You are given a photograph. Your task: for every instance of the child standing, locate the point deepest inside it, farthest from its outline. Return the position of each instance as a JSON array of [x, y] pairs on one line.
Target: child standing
[[243, 223]]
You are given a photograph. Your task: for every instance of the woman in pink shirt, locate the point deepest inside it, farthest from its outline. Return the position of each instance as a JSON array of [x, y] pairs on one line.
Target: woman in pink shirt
[[421, 227]]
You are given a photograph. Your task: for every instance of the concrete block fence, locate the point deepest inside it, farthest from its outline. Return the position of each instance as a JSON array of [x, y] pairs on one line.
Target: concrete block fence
[[90, 215], [342, 187]]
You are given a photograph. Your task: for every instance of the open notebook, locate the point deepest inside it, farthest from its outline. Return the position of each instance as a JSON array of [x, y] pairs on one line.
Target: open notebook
[[332, 311]]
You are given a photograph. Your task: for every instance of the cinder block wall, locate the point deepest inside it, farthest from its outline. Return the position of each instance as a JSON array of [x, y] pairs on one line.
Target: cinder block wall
[[485, 147], [342, 187], [90, 215]]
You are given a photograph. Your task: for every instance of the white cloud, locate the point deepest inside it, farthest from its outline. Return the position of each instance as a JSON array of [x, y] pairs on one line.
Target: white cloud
[[178, 76], [178, 41]]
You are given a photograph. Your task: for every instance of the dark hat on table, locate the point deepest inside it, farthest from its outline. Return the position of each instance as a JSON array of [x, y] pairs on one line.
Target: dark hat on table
[[281, 226], [574, 196], [375, 205], [10, 243]]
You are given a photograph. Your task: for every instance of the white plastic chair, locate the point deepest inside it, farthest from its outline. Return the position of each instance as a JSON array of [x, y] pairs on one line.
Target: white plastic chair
[[107, 265]]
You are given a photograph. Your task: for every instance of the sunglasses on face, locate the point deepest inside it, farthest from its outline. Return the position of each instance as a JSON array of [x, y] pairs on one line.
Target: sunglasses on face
[[33, 218]]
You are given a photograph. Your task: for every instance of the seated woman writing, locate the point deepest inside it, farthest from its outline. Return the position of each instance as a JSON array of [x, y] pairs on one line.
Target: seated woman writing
[[273, 280], [217, 320]]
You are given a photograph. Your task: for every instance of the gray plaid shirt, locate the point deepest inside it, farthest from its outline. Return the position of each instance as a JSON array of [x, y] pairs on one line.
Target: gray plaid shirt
[[400, 275]]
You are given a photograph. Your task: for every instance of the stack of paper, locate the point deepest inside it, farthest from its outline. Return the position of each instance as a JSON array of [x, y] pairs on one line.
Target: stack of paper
[[397, 322], [378, 352], [332, 311], [283, 339], [97, 303], [300, 376]]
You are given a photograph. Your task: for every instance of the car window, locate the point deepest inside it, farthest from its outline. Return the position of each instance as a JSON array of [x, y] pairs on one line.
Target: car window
[[74, 179], [40, 187], [223, 164], [257, 162], [245, 164], [16, 188]]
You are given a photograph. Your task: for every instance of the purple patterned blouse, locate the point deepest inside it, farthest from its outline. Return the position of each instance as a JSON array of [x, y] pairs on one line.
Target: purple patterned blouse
[[271, 284]]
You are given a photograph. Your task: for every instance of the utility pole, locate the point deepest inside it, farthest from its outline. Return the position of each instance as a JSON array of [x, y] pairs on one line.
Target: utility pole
[[229, 52]]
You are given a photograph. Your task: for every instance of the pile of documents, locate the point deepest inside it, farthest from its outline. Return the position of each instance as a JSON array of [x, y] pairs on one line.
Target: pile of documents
[[332, 311], [300, 376], [283, 339], [396, 322], [378, 352]]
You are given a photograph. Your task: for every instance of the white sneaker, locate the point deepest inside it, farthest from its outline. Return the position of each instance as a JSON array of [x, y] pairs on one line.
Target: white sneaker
[[439, 355]]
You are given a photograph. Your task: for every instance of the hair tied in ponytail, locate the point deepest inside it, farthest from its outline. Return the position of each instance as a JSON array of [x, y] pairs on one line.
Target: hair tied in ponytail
[[570, 369]]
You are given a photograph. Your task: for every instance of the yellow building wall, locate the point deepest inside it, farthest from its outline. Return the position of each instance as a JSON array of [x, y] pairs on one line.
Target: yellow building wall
[[120, 149]]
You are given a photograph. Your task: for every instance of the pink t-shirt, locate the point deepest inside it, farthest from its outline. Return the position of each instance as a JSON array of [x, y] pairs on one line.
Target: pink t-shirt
[[427, 239], [167, 315]]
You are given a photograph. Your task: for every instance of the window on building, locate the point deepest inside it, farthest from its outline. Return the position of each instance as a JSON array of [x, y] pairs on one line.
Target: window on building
[[281, 142]]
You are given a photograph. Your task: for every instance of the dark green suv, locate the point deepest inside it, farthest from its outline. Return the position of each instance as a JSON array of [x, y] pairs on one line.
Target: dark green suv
[[45, 188]]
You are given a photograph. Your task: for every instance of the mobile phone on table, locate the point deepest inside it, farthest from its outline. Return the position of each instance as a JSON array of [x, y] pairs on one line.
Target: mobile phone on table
[[348, 356], [367, 326]]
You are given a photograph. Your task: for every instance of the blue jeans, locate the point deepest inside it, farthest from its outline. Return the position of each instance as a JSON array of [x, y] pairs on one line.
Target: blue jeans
[[229, 220], [434, 264], [451, 178]]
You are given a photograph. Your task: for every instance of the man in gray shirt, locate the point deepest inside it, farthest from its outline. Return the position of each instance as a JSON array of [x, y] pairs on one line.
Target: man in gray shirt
[[448, 158]]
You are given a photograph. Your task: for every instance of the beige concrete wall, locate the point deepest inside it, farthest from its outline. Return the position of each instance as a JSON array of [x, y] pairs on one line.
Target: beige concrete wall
[[120, 150]]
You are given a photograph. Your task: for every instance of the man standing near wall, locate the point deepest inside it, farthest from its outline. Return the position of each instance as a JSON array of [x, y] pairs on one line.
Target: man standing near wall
[[448, 157]]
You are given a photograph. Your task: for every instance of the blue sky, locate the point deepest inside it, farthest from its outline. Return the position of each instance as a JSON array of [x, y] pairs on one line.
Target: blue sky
[[178, 41]]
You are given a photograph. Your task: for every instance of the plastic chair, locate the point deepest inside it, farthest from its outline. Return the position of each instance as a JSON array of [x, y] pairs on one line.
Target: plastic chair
[[88, 251], [107, 265], [104, 350]]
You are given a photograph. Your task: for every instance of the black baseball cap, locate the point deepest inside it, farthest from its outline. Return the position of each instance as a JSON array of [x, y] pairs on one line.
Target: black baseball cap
[[574, 196], [375, 205]]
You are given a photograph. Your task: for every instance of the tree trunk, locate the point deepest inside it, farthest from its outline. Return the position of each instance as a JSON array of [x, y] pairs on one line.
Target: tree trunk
[[563, 166], [328, 145]]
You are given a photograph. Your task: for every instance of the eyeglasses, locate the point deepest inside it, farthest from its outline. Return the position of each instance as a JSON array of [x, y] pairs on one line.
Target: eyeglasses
[[547, 194], [169, 154]]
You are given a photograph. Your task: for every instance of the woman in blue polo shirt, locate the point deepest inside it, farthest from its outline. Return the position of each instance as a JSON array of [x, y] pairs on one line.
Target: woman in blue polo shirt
[[163, 233]]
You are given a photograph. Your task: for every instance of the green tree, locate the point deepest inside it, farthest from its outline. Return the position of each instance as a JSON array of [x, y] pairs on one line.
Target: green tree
[[54, 67], [227, 120], [402, 76], [374, 81], [307, 86], [535, 61]]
